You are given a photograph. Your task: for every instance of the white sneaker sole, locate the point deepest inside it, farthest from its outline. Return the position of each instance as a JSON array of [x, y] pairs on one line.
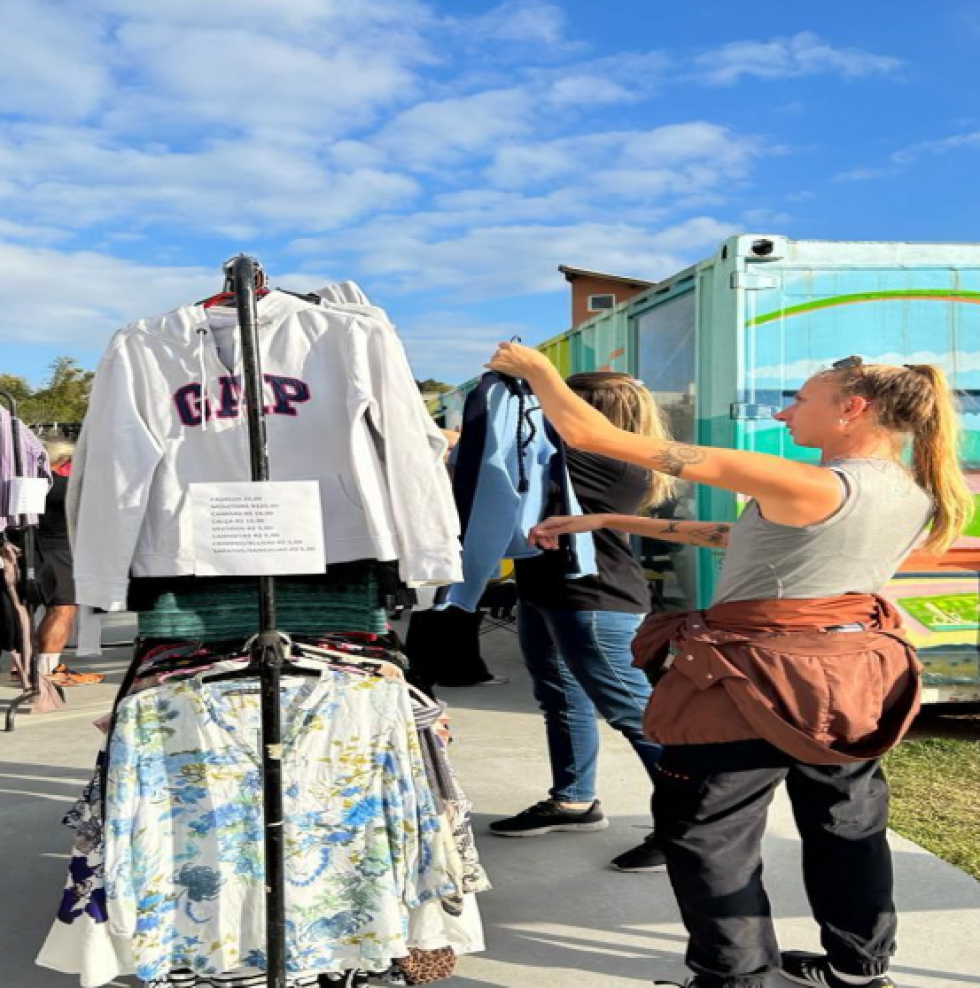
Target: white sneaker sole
[[568, 828], [639, 871]]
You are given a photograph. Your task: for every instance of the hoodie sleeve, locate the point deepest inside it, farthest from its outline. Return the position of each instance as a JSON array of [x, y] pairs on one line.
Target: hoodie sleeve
[[108, 490], [411, 449]]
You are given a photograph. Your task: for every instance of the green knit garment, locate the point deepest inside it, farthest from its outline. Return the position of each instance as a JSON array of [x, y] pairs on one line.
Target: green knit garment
[[347, 599]]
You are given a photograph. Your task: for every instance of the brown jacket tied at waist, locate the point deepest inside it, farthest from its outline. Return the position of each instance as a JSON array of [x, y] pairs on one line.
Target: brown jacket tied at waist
[[771, 669]]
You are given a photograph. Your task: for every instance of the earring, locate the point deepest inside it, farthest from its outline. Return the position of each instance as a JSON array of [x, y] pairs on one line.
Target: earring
[[842, 421]]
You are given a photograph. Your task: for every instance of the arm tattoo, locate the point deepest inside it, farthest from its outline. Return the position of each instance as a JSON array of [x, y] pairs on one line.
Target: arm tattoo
[[711, 535], [675, 456], [671, 528]]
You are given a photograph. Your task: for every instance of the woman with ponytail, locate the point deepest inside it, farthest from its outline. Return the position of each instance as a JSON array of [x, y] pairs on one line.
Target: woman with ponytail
[[798, 672]]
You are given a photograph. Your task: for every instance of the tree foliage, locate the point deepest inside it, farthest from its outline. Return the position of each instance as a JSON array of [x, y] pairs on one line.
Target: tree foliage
[[16, 387], [430, 386], [62, 398]]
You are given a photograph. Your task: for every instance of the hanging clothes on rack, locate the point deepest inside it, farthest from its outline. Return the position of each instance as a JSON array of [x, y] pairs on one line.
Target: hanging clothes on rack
[[343, 409], [183, 861], [33, 464], [21, 456], [82, 940]]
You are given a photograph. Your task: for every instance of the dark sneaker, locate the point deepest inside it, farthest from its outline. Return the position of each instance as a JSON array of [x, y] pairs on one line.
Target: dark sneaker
[[645, 857], [547, 817], [814, 969]]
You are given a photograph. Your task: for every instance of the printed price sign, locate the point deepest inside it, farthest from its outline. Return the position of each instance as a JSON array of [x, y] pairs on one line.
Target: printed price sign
[[268, 528], [27, 495]]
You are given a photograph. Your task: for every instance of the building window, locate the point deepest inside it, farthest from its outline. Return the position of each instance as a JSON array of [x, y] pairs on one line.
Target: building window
[[597, 303]]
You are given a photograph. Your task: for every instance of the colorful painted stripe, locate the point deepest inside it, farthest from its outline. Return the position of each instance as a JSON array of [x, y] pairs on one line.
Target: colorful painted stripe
[[905, 295]]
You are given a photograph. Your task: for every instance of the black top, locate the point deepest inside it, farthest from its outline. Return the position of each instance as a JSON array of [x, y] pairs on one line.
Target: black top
[[603, 486], [52, 526]]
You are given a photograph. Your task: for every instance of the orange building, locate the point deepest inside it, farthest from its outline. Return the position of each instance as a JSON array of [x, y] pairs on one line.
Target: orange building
[[594, 292]]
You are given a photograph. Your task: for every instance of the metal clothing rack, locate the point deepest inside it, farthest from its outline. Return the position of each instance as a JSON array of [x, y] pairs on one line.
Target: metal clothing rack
[[267, 654], [32, 689]]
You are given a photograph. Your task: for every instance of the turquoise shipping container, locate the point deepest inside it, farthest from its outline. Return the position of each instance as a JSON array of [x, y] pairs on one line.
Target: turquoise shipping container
[[724, 344]]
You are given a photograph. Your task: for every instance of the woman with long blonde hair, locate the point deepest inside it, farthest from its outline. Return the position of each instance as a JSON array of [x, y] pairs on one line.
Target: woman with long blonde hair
[[799, 671], [575, 634]]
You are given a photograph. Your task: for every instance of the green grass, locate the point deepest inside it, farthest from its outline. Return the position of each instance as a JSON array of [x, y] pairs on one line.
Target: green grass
[[935, 794]]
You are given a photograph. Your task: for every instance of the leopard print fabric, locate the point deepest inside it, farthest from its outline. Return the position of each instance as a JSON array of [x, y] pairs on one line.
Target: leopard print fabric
[[422, 967]]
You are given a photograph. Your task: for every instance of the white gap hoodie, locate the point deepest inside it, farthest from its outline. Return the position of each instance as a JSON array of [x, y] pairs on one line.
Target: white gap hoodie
[[344, 410]]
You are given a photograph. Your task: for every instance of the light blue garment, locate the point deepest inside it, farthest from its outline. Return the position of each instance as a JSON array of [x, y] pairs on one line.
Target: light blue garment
[[184, 859], [521, 471]]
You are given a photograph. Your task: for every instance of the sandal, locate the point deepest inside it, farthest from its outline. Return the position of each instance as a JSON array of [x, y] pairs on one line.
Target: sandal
[[61, 675]]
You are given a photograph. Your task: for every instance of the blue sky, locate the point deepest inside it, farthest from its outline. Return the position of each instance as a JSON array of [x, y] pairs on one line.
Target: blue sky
[[449, 156]]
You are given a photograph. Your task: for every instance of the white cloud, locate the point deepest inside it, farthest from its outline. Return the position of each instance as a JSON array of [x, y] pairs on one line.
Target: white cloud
[[504, 261], [786, 58], [464, 155], [677, 158], [946, 145], [251, 79], [54, 62], [583, 90], [626, 78], [80, 298], [30, 233], [524, 22], [438, 133], [425, 336], [339, 16], [77, 300], [78, 178], [51, 296], [912, 154]]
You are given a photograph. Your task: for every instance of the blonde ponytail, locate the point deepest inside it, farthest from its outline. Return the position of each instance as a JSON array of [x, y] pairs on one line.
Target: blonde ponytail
[[935, 460], [916, 400]]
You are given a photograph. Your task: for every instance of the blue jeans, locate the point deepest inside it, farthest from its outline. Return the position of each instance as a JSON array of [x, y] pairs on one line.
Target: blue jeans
[[580, 662]]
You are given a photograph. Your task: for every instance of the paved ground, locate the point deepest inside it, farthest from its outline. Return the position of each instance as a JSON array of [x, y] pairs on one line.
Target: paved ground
[[557, 916]]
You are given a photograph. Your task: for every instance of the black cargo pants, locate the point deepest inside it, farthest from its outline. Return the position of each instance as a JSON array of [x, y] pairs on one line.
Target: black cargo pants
[[710, 804]]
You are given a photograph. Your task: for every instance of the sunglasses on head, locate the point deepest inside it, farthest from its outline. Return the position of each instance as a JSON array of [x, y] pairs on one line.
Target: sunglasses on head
[[848, 363]]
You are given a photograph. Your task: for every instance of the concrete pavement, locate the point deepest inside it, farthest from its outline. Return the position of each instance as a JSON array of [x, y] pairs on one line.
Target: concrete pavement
[[558, 916]]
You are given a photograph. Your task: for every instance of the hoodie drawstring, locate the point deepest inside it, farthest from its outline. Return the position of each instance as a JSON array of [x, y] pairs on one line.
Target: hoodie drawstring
[[524, 420], [203, 371]]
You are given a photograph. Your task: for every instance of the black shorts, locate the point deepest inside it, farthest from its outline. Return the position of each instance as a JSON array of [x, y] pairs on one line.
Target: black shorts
[[55, 576]]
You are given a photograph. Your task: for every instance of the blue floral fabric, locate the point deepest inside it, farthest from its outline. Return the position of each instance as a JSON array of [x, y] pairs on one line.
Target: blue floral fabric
[[184, 838]]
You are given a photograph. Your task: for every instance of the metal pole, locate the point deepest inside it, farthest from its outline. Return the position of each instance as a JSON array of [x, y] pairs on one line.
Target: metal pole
[[267, 648]]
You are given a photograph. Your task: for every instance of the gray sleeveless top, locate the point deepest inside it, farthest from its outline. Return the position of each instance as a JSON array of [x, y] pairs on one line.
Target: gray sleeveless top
[[856, 550]]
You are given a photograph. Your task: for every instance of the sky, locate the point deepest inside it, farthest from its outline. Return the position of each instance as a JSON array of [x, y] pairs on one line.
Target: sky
[[448, 156]]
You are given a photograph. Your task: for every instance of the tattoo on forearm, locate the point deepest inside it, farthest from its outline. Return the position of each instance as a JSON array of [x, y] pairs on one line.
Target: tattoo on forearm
[[695, 534], [675, 456], [711, 535]]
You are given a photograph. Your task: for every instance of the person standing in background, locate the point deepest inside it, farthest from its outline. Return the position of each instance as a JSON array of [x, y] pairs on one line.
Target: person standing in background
[[575, 634], [55, 575]]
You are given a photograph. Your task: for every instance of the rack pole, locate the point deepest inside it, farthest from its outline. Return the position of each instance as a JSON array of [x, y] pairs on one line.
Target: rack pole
[[267, 647]]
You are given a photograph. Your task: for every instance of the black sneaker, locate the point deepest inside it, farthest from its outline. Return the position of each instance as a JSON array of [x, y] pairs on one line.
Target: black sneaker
[[803, 968], [546, 817], [644, 857]]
